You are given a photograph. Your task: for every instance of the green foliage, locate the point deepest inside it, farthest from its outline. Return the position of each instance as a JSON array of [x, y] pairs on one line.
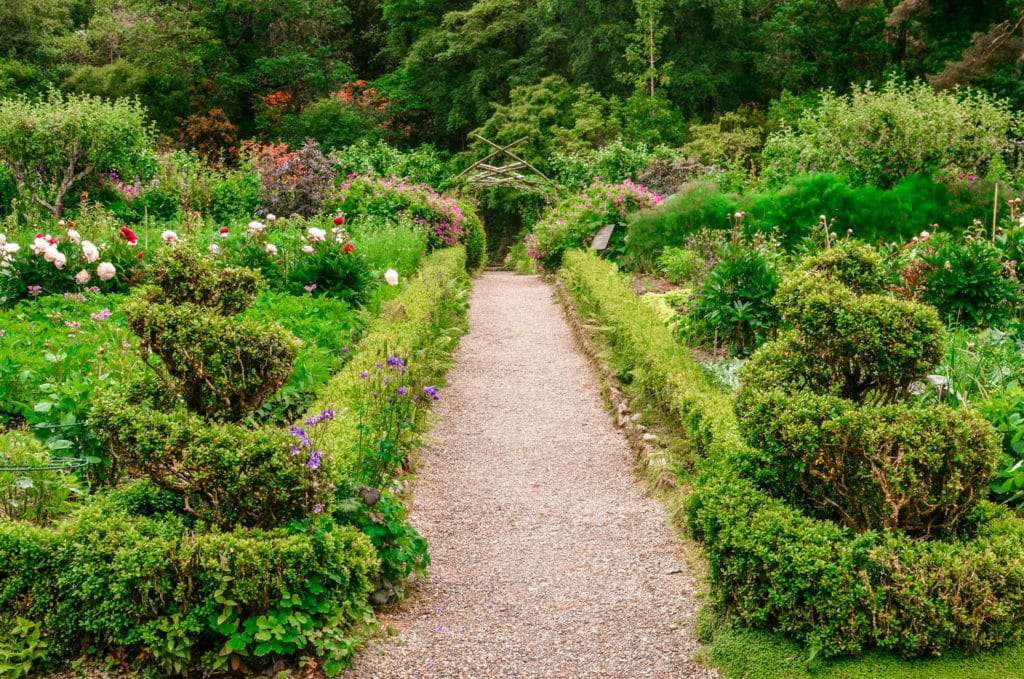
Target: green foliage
[[185, 600], [332, 123], [679, 265], [227, 475], [733, 306], [967, 280], [613, 162], [877, 137], [40, 496], [423, 164], [697, 206], [772, 567], [54, 143], [826, 406], [387, 244], [382, 517], [221, 367]]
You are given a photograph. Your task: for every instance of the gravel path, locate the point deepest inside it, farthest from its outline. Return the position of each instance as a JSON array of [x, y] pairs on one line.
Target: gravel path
[[548, 558]]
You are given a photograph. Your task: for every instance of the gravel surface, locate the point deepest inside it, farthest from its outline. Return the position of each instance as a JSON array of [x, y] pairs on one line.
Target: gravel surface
[[548, 558]]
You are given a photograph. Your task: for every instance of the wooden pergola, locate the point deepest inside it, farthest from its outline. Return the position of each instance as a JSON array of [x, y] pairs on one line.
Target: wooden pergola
[[484, 173]]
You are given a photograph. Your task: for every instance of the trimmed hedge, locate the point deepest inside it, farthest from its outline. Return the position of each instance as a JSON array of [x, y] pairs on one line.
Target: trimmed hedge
[[149, 587], [774, 567], [421, 326]]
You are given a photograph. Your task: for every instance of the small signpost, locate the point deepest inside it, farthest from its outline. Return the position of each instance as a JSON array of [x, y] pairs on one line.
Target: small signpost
[[602, 237]]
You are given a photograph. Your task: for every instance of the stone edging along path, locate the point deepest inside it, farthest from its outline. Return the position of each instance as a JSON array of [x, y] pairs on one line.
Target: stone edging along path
[[548, 558]]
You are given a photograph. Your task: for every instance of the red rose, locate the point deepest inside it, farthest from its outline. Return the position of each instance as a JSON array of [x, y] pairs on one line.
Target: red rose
[[223, 229], [339, 220], [348, 248], [139, 256]]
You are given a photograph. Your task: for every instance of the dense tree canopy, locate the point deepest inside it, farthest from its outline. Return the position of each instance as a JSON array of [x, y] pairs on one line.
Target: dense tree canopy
[[438, 69]]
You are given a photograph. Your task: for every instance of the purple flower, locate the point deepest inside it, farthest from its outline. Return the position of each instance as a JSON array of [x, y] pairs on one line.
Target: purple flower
[[314, 459], [344, 350], [318, 508], [395, 362], [363, 375], [431, 392], [402, 391], [380, 366]]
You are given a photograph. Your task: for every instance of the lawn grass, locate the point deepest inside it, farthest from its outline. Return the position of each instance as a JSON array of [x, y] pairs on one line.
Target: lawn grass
[[740, 653]]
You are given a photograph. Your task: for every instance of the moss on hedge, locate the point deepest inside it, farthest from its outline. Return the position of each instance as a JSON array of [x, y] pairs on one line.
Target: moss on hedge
[[773, 567]]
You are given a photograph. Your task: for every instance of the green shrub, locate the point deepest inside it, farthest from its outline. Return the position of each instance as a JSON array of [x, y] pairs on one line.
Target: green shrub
[[773, 566], [222, 367], [967, 281], [695, 207], [733, 305], [827, 407], [183, 600], [877, 137], [679, 265]]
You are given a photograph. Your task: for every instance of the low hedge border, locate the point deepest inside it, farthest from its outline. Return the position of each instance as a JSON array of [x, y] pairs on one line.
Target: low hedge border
[[421, 326], [773, 567], [128, 577]]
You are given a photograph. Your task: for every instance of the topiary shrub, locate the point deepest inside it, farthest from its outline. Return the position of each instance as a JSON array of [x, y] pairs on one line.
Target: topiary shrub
[[828, 413], [222, 367], [178, 426]]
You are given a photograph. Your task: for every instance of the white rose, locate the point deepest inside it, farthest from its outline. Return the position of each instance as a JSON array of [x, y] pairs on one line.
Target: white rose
[[40, 246], [11, 248], [74, 236], [214, 248], [50, 254], [256, 227], [271, 217], [82, 277], [105, 271], [391, 276], [316, 234], [60, 260], [90, 252], [271, 249], [308, 249], [169, 237]]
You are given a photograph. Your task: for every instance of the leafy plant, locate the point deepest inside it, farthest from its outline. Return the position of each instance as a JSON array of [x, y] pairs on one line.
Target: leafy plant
[[32, 488], [734, 305]]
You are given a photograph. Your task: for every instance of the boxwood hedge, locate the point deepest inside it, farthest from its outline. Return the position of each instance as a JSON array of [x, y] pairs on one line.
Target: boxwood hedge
[[773, 566]]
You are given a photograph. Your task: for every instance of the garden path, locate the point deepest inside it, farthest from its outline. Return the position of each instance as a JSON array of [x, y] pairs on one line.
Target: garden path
[[548, 558]]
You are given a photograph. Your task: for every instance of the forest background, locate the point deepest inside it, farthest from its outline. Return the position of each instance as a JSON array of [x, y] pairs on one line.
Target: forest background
[[570, 73]]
